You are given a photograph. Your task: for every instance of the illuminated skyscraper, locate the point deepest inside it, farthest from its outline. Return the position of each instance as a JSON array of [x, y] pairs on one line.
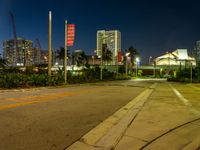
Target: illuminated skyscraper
[[24, 55], [196, 52], [112, 39]]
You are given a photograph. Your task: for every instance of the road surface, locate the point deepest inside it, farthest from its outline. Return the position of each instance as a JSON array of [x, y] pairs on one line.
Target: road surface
[[52, 119]]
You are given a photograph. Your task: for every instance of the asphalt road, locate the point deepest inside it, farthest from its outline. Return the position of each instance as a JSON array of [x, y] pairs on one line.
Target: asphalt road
[[54, 118]]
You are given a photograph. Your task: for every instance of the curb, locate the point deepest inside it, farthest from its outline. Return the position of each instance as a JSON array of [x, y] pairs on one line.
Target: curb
[[107, 134], [52, 87]]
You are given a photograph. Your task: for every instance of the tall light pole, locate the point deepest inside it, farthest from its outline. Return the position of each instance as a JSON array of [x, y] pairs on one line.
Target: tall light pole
[[137, 61], [65, 54], [93, 60], [127, 54], [150, 60], [49, 43], [154, 69]]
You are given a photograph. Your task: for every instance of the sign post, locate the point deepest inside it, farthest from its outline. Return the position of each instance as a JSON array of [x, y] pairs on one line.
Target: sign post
[[69, 41], [65, 53]]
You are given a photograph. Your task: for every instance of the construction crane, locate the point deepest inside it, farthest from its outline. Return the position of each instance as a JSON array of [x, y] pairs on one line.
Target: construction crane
[[15, 39], [38, 51], [38, 43]]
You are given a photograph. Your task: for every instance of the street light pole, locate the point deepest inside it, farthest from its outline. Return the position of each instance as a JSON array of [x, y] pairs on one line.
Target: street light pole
[[150, 60], [93, 60], [137, 61], [127, 64], [154, 69], [49, 43]]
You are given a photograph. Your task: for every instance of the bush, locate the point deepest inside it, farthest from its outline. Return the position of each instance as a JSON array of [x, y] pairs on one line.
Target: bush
[[14, 78], [184, 75]]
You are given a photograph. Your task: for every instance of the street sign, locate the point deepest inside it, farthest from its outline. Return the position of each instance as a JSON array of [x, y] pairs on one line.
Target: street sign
[[70, 34]]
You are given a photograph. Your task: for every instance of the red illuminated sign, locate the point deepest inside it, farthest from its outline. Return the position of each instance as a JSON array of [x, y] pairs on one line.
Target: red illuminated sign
[[119, 56], [70, 34]]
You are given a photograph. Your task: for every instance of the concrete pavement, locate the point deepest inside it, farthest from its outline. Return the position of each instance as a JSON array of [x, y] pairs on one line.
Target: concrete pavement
[[168, 117]]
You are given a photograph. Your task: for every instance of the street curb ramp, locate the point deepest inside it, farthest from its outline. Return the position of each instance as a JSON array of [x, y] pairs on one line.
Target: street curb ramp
[[107, 134]]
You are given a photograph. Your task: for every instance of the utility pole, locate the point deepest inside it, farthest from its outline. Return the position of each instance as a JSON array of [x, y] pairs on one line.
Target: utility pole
[[65, 54], [49, 43]]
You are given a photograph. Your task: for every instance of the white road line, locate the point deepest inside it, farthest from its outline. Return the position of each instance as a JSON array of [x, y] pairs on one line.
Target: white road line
[[185, 101]]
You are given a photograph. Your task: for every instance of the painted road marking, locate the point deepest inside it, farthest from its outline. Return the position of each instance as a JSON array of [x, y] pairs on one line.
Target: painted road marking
[[184, 100], [21, 101]]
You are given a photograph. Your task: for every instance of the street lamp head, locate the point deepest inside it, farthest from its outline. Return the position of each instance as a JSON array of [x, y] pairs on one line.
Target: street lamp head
[[137, 59], [127, 54]]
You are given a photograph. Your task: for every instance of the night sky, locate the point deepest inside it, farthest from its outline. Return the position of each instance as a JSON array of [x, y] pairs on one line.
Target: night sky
[[151, 26]]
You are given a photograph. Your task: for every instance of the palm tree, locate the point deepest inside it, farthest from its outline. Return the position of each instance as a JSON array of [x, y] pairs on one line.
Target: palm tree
[[79, 58], [106, 54], [133, 53], [61, 53]]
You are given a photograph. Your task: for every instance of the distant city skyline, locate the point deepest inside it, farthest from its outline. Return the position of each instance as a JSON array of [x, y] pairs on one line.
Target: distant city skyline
[[152, 27]]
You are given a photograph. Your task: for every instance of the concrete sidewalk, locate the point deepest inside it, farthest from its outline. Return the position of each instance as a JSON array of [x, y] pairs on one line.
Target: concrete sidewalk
[[156, 119]]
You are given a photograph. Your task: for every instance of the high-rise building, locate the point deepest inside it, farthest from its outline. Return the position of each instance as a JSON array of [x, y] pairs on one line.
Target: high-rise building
[[196, 52], [112, 39], [36, 56], [44, 57], [20, 56]]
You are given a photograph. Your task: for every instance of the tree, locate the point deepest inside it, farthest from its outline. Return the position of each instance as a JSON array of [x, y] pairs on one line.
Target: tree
[[61, 53], [2, 62], [106, 54], [133, 54], [79, 58]]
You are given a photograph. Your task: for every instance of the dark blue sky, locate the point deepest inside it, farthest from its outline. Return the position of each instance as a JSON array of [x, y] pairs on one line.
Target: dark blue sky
[[151, 26]]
